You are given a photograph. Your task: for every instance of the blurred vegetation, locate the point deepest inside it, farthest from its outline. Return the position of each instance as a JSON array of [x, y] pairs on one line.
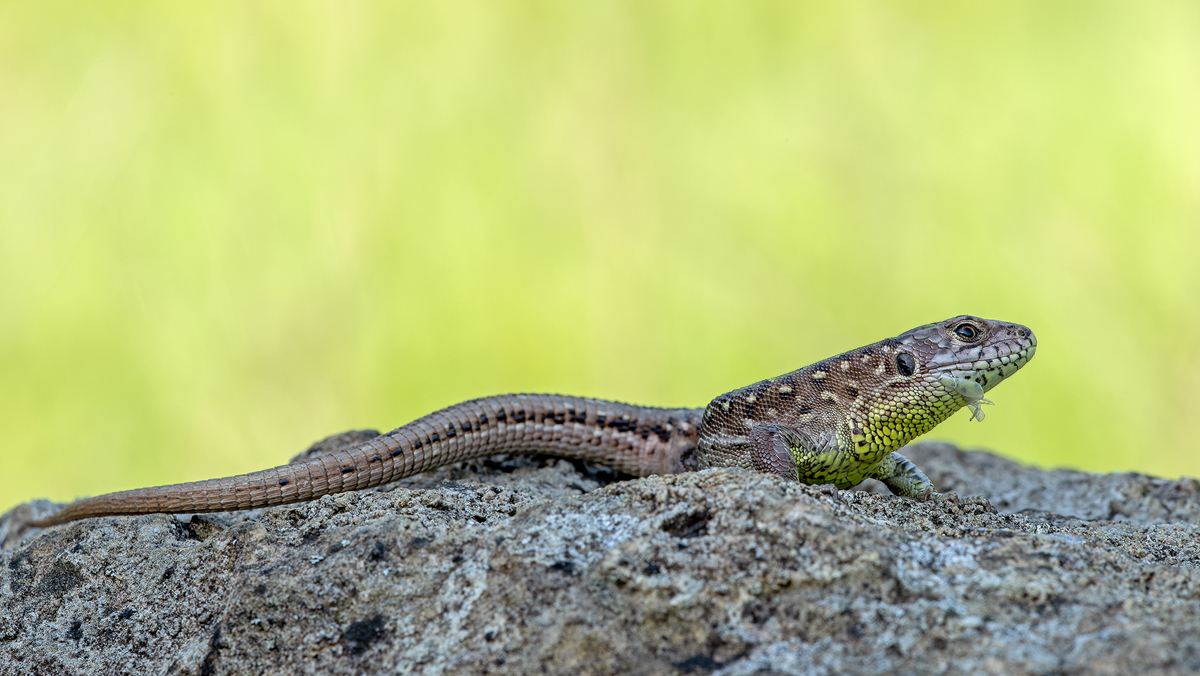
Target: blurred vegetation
[[228, 229]]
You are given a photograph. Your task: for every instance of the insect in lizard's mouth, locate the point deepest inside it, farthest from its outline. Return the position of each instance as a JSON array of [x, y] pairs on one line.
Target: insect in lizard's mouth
[[972, 379]]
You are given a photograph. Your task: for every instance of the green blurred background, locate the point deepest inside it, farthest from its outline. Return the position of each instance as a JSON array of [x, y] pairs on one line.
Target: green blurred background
[[228, 229]]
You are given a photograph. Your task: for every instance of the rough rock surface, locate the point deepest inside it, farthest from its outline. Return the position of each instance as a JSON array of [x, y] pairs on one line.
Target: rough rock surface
[[543, 566]]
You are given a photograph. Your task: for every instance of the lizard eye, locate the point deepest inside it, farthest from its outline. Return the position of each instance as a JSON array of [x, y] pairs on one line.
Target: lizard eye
[[967, 332], [906, 364]]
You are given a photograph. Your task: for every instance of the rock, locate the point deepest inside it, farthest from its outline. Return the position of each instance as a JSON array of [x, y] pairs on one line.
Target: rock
[[1135, 498], [525, 565]]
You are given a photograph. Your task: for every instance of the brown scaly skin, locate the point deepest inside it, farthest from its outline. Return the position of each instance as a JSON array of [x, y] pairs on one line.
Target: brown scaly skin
[[840, 420], [836, 422]]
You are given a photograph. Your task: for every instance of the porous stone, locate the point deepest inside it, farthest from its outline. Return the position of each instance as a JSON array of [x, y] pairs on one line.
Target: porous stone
[[537, 565]]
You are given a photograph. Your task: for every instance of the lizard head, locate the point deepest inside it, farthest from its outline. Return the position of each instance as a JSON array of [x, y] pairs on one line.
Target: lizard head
[[920, 378], [960, 359]]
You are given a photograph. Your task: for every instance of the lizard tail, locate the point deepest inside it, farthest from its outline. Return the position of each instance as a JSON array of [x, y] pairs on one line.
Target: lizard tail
[[637, 440]]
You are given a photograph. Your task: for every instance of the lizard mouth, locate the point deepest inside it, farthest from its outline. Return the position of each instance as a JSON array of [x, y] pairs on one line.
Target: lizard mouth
[[988, 372]]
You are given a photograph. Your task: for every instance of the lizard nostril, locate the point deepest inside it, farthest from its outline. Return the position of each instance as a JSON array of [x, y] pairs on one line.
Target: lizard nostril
[[1022, 332]]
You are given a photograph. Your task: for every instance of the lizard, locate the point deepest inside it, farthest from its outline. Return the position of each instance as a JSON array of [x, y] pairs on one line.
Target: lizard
[[838, 421]]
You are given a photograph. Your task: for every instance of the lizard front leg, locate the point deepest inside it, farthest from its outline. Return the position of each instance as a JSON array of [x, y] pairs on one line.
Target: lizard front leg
[[903, 478], [907, 480]]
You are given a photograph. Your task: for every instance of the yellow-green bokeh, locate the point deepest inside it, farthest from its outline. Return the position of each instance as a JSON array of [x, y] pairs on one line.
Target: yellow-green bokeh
[[230, 228]]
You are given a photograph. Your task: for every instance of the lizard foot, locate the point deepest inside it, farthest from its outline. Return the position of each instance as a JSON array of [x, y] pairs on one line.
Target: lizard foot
[[975, 500]]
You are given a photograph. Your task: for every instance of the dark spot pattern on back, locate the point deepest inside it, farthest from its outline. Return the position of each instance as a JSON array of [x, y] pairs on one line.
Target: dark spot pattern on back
[[623, 424]]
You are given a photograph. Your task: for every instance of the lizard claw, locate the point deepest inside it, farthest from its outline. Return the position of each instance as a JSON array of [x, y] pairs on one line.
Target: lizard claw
[[980, 501], [975, 500]]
